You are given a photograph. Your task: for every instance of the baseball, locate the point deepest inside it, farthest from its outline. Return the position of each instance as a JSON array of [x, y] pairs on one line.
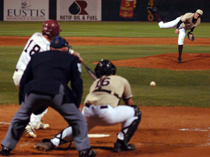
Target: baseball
[[152, 84]]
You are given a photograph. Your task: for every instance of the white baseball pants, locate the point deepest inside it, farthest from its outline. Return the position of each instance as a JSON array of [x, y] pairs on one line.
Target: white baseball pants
[[173, 24], [104, 115]]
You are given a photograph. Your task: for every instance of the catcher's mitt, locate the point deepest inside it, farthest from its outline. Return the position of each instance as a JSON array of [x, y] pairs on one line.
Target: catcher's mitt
[[190, 36]]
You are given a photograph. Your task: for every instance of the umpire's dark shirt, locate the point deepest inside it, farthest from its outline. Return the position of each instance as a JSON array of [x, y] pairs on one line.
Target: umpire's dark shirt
[[45, 73]]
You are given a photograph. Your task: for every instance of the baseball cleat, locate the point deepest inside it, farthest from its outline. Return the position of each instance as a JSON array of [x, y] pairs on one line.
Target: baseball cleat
[[41, 125], [152, 9], [4, 151], [179, 60], [118, 147], [46, 146], [30, 132]]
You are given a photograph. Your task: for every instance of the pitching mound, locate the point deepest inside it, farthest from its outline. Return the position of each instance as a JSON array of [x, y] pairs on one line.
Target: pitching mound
[[169, 61]]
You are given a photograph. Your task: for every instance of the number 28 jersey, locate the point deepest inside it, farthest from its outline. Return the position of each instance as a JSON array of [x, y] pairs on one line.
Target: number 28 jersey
[[37, 43], [108, 91]]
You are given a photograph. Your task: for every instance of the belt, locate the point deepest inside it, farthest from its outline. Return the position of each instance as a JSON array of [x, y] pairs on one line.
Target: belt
[[101, 107], [107, 91]]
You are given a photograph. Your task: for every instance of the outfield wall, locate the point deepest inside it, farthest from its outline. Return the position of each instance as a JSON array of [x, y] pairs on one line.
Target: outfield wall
[[110, 9]]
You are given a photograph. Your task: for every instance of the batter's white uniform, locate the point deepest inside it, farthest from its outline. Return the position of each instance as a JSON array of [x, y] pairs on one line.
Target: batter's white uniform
[[101, 106], [37, 43], [186, 20]]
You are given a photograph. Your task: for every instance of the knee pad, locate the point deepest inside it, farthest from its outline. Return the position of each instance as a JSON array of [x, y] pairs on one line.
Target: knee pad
[[137, 111]]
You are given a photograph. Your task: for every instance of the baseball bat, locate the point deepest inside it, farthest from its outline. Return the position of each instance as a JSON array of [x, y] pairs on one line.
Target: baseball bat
[[92, 74]]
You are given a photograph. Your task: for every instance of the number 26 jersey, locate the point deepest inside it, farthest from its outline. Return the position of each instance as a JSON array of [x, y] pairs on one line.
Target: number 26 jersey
[[108, 91]]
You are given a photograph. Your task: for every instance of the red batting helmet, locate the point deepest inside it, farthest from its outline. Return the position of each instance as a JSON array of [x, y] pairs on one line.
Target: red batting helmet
[[51, 28]]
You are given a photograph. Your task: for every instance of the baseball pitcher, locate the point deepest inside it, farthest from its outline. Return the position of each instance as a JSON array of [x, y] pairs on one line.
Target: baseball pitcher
[[183, 23]]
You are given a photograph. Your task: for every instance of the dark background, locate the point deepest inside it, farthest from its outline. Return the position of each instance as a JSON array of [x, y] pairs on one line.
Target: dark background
[[168, 9]]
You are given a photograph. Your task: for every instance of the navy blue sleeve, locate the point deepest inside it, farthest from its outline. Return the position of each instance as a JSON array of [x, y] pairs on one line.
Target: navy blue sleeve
[[76, 81], [27, 76]]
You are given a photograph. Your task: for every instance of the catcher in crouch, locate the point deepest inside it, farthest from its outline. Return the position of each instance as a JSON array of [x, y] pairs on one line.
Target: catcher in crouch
[[102, 109], [183, 23]]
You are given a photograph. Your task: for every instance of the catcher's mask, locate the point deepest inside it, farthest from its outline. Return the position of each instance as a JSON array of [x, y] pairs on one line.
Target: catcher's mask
[[51, 28], [105, 67]]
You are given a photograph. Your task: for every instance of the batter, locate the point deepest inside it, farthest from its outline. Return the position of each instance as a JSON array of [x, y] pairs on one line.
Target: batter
[[38, 42]]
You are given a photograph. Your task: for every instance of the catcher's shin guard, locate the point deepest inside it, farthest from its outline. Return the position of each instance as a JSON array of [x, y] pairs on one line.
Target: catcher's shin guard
[[61, 137], [131, 129]]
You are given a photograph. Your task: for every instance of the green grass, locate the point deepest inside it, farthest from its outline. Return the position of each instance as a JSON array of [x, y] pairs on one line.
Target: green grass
[[99, 29], [174, 88]]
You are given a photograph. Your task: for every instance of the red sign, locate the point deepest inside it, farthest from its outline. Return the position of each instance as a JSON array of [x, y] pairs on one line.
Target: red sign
[[126, 8]]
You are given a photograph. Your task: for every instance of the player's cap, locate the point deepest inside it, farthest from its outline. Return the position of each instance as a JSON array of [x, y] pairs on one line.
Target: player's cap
[[59, 42], [199, 11]]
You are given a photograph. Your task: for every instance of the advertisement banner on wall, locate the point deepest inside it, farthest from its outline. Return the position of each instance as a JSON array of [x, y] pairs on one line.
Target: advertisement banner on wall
[[79, 10], [26, 10]]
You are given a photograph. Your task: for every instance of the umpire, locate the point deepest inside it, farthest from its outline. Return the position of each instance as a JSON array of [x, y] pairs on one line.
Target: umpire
[[45, 83]]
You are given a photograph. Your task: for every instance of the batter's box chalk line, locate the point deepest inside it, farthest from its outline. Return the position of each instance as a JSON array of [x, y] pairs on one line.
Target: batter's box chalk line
[[196, 129], [4, 123], [98, 135], [201, 130]]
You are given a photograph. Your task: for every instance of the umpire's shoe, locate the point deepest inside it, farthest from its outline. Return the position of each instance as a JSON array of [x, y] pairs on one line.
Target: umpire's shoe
[[4, 151], [152, 9], [87, 153], [123, 146], [45, 146]]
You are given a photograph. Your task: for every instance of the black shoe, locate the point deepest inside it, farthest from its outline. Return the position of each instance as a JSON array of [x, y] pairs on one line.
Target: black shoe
[[122, 146], [152, 9], [45, 146], [4, 151], [87, 153], [179, 60]]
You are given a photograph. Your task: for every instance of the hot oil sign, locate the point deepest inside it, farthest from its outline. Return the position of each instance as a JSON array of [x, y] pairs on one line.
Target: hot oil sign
[[79, 10]]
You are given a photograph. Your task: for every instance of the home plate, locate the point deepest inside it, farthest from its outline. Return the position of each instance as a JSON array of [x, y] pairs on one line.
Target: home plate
[[98, 135]]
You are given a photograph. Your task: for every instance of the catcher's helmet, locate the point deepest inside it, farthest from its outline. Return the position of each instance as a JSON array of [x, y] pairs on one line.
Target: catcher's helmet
[[51, 28], [105, 67]]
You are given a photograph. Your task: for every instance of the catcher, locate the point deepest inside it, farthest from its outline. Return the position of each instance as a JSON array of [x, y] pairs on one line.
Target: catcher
[[183, 23], [102, 109]]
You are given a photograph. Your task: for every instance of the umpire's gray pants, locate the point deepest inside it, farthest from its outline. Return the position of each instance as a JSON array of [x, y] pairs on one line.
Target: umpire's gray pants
[[33, 102]]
